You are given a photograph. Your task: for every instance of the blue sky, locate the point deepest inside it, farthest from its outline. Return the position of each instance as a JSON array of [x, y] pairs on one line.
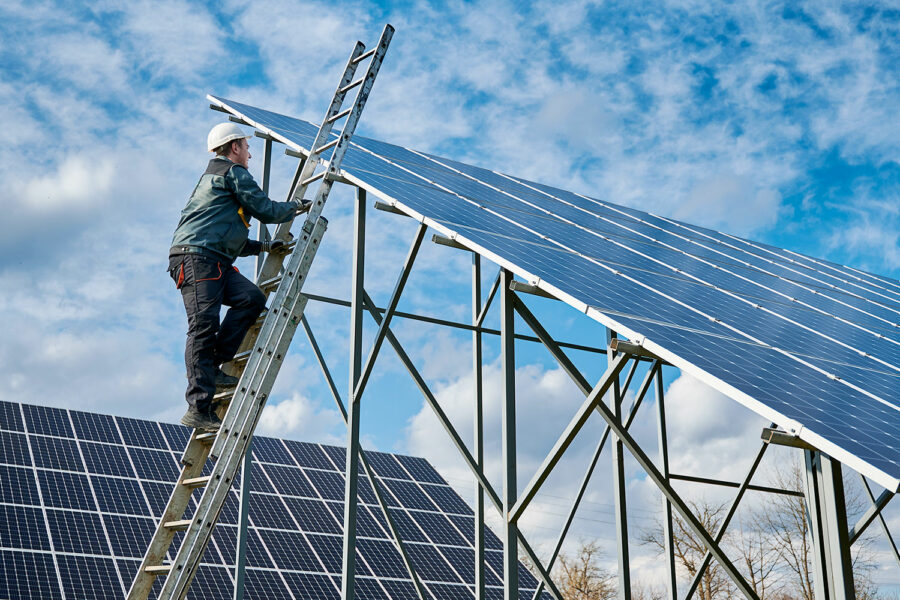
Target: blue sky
[[772, 121]]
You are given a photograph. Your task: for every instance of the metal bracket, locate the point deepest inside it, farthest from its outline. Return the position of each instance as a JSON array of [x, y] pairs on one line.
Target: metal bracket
[[384, 206], [527, 288], [781, 438], [445, 241], [632, 349]]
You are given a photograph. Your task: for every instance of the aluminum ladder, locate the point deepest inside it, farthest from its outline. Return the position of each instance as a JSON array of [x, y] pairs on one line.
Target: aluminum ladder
[[265, 347]]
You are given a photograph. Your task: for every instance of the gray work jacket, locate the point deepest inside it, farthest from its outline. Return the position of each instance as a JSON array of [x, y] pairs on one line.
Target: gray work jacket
[[217, 216]]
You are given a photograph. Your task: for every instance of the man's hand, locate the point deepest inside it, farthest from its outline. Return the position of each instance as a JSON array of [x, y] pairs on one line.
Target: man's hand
[[303, 206]]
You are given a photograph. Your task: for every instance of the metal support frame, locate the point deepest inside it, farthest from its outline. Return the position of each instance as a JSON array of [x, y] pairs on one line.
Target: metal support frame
[[247, 464], [358, 381], [618, 472], [827, 515], [668, 530], [478, 426], [510, 532], [824, 490]]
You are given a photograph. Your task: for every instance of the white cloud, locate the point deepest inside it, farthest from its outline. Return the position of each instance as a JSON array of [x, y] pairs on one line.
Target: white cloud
[[301, 418], [79, 184]]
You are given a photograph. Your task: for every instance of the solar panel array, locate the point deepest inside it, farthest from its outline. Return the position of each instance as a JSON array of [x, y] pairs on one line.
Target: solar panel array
[[809, 344], [81, 493]]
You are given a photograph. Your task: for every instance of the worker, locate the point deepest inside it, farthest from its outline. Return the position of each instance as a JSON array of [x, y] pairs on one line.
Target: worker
[[211, 234]]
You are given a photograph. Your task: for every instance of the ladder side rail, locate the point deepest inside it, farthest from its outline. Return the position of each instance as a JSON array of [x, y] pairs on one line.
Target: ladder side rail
[[306, 167], [264, 369], [196, 453], [277, 330], [211, 503]]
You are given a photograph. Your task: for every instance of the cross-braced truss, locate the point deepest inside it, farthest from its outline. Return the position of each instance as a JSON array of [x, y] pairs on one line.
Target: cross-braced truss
[[824, 495]]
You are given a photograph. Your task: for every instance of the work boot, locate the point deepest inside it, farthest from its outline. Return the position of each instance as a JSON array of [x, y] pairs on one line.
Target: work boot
[[207, 422], [225, 381]]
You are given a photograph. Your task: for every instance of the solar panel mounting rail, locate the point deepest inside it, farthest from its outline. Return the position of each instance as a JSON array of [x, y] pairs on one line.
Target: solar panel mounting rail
[[264, 349]]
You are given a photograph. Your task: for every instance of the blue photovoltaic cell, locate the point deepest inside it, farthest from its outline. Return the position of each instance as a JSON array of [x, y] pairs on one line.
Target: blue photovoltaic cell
[[23, 527], [116, 495], [313, 515], [47, 420], [447, 500], [11, 417], [95, 427], [410, 495], [76, 532], [329, 484], [154, 464], [309, 455], [17, 485], [386, 466], [14, 448], [56, 453], [102, 582], [144, 434], [272, 451], [286, 481], [28, 576], [65, 490], [320, 587], [420, 469], [101, 521], [337, 455], [679, 286], [103, 459], [266, 584]]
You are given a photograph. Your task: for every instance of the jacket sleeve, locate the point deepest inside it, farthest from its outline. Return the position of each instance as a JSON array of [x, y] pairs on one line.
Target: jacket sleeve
[[251, 248], [254, 201]]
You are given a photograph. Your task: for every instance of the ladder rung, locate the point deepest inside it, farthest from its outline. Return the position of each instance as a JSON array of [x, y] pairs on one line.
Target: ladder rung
[[195, 482], [330, 144], [315, 177], [241, 357], [177, 525], [365, 55], [267, 284], [205, 437], [340, 115], [350, 86], [218, 397], [158, 569]]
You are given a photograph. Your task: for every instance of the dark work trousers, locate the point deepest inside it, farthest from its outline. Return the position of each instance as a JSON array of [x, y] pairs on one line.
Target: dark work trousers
[[206, 283]]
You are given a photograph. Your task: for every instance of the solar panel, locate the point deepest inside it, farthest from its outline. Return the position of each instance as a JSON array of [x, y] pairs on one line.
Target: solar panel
[[808, 344], [81, 492]]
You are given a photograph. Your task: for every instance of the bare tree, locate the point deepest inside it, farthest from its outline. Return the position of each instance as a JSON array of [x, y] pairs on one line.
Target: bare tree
[[760, 561], [689, 549], [580, 576], [782, 521]]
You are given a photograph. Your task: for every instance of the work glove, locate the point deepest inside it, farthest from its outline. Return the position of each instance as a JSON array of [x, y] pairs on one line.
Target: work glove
[[275, 246], [302, 206]]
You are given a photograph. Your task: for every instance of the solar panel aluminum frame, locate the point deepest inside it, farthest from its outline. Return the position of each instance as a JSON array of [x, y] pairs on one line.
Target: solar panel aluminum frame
[[790, 425]]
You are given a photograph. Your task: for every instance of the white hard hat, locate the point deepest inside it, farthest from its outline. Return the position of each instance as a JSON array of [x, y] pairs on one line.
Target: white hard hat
[[222, 134]]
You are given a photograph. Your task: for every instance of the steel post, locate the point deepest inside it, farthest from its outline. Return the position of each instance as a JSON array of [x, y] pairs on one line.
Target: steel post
[[243, 518], [478, 427], [827, 515], [508, 424], [668, 532], [353, 411], [618, 470]]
